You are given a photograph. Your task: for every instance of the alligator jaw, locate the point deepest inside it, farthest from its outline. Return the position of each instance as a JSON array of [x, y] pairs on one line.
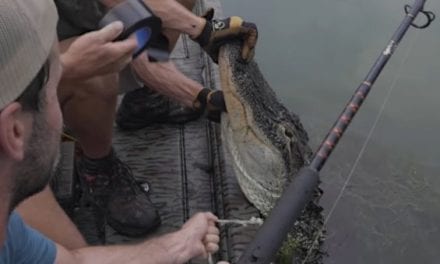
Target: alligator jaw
[[257, 163]]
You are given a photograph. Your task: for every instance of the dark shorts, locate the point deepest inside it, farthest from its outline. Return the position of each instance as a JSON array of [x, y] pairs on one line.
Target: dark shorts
[[78, 17], [81, 16]]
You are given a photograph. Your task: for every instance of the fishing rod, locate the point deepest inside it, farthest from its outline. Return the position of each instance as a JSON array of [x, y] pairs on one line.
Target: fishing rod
[[300, 191]]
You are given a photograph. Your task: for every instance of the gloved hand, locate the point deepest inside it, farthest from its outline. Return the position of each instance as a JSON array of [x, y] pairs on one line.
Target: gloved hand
[[218, 32], [210, 103]]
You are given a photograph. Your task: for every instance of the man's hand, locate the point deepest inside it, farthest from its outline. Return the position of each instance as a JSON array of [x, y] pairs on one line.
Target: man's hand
[[95, 53], [218, 32], [211, 103], [200, 235]]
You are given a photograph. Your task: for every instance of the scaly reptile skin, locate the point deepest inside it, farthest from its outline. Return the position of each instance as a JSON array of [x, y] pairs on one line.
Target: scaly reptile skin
[[268, 145]]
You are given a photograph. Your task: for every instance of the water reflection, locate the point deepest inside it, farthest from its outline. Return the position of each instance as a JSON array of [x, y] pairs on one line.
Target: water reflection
[[315, 53]]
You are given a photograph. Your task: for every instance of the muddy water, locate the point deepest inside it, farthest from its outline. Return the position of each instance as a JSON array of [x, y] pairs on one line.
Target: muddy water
[[315, 53]]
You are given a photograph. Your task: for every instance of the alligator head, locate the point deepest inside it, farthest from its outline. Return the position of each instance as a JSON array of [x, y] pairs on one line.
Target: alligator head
[[267, 143]]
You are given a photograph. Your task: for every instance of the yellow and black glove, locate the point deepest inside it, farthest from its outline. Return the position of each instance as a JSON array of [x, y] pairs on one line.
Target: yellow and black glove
[[218, 32], [210, 103]]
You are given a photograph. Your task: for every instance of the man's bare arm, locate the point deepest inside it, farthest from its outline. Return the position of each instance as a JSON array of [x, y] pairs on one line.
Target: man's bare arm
[[160, 250], [42, 212], [173, 15], [197, 237], [166, 79]]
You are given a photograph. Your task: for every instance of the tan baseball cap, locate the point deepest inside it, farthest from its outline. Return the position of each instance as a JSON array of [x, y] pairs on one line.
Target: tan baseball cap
[[27, 34]]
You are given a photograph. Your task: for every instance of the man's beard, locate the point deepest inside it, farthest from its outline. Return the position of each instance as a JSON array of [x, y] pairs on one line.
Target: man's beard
[[40, 161]]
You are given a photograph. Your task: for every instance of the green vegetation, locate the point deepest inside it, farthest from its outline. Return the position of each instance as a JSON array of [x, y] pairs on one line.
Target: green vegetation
[[288, 250]]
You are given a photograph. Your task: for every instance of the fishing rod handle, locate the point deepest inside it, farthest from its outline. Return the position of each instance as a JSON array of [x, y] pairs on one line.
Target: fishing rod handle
[[273, 232]]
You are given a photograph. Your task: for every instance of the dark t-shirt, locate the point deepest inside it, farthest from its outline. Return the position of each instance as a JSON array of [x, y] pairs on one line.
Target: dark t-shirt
[[26, 245]]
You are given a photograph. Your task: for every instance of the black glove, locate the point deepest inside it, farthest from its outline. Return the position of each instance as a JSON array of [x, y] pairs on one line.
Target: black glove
[[210, 103], [218, 32]]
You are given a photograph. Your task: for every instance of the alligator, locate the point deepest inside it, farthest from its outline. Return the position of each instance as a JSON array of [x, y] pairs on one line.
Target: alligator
[[268, 145]]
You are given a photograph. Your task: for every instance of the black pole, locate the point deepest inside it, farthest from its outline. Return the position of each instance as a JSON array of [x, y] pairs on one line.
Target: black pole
[[299, 192]]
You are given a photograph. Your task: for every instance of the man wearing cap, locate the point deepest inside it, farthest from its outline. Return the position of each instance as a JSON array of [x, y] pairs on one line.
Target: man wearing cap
[[30, 127], [88, 94]]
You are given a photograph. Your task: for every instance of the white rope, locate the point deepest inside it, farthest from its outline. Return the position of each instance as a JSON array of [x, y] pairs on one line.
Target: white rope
[[252, 221], [364, 146], [210, 260]]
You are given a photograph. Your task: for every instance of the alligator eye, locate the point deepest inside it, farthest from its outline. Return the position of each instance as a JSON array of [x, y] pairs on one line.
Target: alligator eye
[[288, 133]]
